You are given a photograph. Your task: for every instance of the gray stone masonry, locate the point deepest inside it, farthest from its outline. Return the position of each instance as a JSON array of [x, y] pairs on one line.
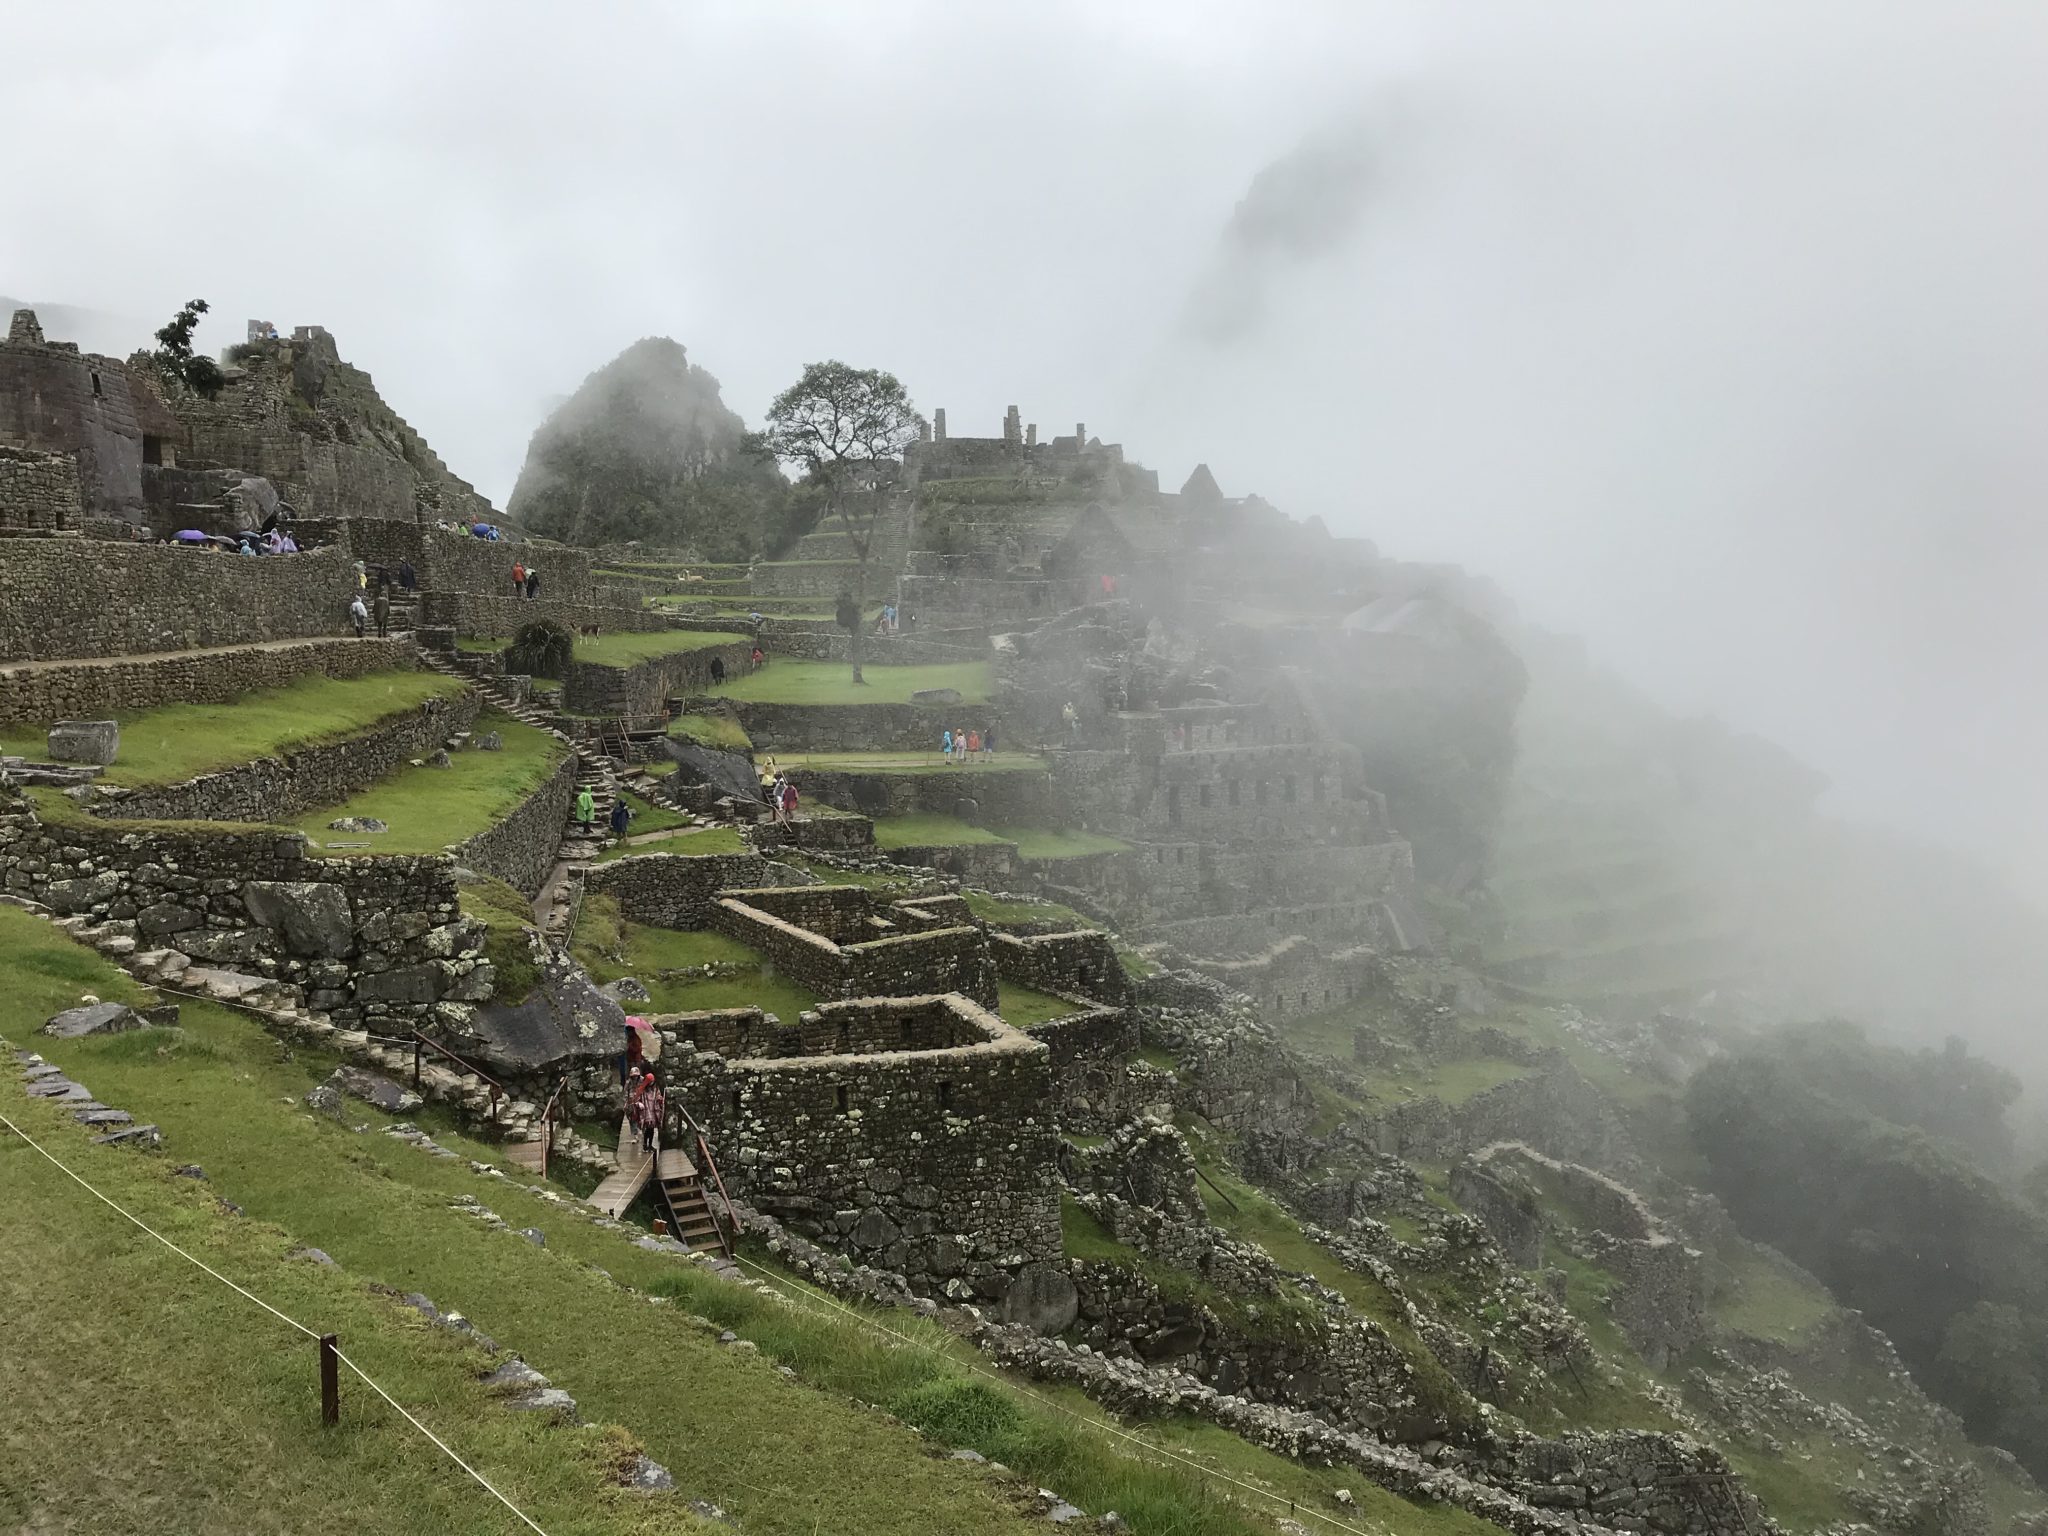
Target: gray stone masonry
[[39, 490], [54, 690], [84, 741], [520, 847]]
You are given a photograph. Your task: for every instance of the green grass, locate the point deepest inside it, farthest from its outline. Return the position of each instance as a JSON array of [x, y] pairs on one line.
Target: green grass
[[925, 830], [121, 1355], [1023, 1007], [684, 840], [649, 817], [622, 648], [506, 916], [912, 762], [1085, 1237], [784, 681], [483, 647], [179, 741], [1765, 1301], [429, 808], [1043, 843], [712, 731], [1000, 910], [880, 881], [610, 949], [1451, 1081]]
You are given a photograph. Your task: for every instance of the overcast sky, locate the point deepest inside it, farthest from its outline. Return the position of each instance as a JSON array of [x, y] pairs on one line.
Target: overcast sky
[[1716, 333]]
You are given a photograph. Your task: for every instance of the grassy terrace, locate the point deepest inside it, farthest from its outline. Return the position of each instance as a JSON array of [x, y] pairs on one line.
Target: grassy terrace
[[1023, 1007], [429, 808], [934, 831], [911, 762], [712, 731], [178, 741], [679, 839], [623, 648], [784, 681], [610, 948]]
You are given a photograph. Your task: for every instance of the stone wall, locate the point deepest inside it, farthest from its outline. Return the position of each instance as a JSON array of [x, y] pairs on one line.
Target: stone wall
[[1090, 1035], [60, 400], [378, 942], [940, 1164], [1079, 964], [95, 688], [480, 616], [1023, 798], [976, 863], [858, 727], [672, 890], [840, 913], [60, 600], [39, 490], [520, 848], [273, 789], [935, 961], [1553, 1110], [592, 688]]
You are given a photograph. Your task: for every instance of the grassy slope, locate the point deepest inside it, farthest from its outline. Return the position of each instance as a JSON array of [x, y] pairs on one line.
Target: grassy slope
[[429, 808], [624, 647], [137, 1387], [724, 1422], [685, 840], [164, 746], [1024, 1007], [784, 681], [932, 762], [712, 731], [926, 830]]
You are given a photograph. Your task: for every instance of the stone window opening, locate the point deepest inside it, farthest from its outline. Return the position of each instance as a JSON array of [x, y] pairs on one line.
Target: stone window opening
[[735, 1102], [1287, 789], [96, 384], [945, 1094], [906, 1024], [1304, 999], [841, 1099], [1181, 854], [152, 448], [1173, 804]]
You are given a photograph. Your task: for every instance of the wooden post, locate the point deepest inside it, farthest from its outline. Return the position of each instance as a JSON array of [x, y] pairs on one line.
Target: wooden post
[[418, 1046], [330, 1380], [660, 1227]]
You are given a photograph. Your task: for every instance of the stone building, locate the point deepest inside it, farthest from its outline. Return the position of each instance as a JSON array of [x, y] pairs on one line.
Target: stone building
[[108, 419]]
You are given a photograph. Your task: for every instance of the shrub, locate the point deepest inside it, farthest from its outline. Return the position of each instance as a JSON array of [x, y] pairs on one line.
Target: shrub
[[961, 1410]]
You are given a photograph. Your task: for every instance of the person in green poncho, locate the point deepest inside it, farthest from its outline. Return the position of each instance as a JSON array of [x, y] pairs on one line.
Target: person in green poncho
[[586, 808]]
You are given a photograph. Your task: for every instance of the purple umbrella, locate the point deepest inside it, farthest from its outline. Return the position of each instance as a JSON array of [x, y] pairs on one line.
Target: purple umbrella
[[190, 536]]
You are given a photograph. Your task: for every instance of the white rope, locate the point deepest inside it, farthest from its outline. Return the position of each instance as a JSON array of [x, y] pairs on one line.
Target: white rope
[[281, 1317]]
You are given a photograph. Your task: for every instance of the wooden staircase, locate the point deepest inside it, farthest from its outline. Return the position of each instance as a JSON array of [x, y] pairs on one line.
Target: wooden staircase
[[689, 1212]]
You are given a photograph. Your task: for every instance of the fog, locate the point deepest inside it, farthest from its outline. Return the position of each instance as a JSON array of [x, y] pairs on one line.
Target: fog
[[1715, 334]]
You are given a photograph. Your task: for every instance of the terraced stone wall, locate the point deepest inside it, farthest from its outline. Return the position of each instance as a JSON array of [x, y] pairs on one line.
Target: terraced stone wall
[[1023, 798], [976, 863], [836, 912], [1083, 963], [1087, 1036], [285, 787], [938, 960], [89, 689], [593, 688], [940, 1164], [38, 490], [859, 727], [61, 600], [672, 890], [520, 848], [378, 942], [482, 616]]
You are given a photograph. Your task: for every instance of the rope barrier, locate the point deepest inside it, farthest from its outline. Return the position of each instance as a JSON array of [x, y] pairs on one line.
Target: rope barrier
[[290, 1322]]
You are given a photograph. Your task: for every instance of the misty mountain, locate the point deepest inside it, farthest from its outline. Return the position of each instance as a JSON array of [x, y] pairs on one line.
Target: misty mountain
[[95, 330], [647, 450]]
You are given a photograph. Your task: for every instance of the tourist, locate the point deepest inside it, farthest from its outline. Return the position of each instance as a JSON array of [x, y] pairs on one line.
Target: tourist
[[788, 801], [532, 583], [383, 607], [988, 739], [358, 615], [1073, 720], [622, 813], [718, 671], [974, 746], [1180, 737], [758, 658], [653, 1110], [769, 774], [518, 578], [586, 807], [290, 545], [362, 576], [631, 1062], [946, 745], [408, 580]]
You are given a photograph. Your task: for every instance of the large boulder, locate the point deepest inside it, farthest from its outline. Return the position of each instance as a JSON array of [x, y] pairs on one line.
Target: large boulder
[[564, 1021], [1042, 1298], [313, 917], [374, 1089], [94, 1019], [731, 773], [936, 696], [84, 741]]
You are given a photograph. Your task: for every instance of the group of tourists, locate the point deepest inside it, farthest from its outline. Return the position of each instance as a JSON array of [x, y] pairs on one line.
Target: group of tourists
[[646, 1104], [886, 622], [525, 580], [957, 747]]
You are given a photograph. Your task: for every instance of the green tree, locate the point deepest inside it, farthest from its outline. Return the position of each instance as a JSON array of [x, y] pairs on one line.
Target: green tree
[[847, 428], [177, 362]]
